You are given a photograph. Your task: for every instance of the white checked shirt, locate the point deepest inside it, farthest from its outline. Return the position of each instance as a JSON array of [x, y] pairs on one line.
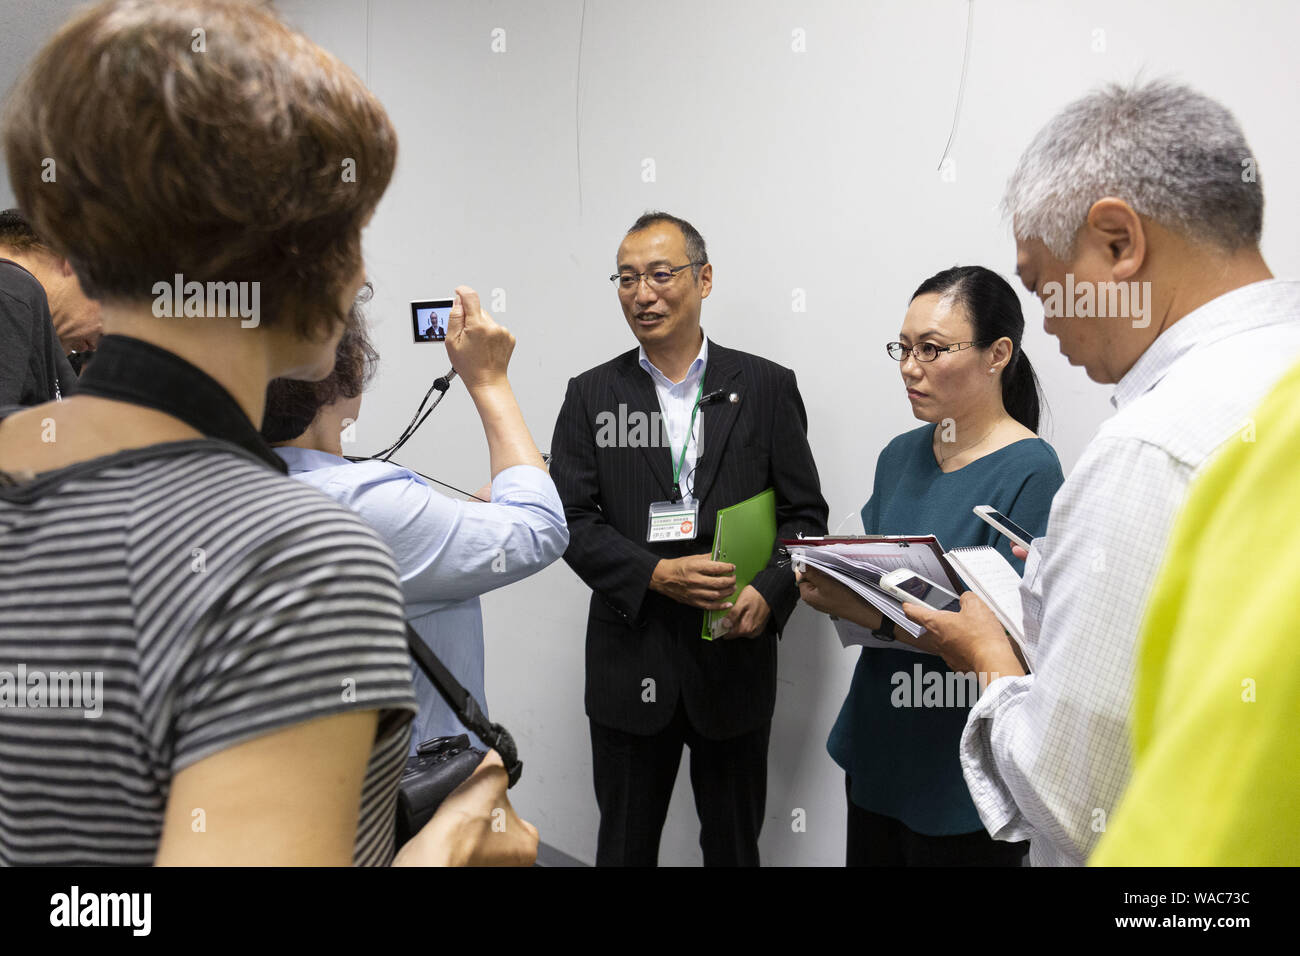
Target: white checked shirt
[[1046, 756], [676, 399]]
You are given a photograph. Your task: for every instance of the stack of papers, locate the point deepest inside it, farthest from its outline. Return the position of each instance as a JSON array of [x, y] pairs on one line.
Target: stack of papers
[[860, 563]]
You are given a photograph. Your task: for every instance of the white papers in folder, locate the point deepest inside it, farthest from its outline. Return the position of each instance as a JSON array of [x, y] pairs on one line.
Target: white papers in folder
[[884, 603], [860, 565], [851, 635]]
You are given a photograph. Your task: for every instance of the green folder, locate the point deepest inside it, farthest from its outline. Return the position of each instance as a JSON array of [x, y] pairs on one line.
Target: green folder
[[743, 535]]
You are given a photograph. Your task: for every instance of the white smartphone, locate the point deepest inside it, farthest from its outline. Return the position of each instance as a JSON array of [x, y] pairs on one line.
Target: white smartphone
[[997, 519], [909, 586]]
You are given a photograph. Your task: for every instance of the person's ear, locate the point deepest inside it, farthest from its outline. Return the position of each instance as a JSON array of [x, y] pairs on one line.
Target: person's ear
[[65, 268], [1000, 353], [706, 279], [1116, 231]]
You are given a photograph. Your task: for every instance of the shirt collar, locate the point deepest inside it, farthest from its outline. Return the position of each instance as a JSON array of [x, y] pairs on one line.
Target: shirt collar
[[700, 361], [1253, 306], [307, 459]]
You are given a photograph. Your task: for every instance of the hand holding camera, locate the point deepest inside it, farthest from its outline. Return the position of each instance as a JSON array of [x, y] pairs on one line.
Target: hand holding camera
[[479, 349], [475, 826]]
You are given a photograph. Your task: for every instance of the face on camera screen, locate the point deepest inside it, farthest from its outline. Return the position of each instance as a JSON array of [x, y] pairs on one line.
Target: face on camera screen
[[429, 319]]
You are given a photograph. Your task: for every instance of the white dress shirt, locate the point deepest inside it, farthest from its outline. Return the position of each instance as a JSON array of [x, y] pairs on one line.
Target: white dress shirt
[[1046, 756], [676, 400]]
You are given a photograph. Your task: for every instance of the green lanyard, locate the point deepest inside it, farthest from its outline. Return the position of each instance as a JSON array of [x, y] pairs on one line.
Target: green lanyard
[[681, 462]]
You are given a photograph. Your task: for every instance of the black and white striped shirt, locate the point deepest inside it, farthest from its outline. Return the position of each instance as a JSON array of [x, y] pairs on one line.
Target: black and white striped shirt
[[217, 601]]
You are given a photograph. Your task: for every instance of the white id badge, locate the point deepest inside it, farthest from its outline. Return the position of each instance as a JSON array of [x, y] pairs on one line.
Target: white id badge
[[673, 521]]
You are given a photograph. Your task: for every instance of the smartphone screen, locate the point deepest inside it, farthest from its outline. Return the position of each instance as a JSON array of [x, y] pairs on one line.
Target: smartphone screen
[[929, 594], [429, 319], [1010, 525]]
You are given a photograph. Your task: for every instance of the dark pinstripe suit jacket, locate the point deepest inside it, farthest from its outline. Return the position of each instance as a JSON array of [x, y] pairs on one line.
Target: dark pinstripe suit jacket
[[634, 634]]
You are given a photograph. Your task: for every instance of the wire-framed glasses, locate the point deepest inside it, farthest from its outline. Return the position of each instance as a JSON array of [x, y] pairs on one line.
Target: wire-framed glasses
[[659, 278], [925, 352]]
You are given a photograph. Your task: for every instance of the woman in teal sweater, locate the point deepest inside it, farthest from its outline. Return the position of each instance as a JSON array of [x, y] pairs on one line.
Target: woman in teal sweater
[[966, 375]]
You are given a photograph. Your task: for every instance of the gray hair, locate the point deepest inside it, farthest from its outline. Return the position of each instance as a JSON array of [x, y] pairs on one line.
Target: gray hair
[[695, 249], [1174, 155]]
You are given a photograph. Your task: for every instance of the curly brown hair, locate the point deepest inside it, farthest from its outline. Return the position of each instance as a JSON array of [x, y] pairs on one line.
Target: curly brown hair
[[16, 233], [200, 137], [291, 405]]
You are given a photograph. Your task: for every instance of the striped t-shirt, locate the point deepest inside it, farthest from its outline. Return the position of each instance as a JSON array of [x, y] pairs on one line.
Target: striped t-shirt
[[160, 605]]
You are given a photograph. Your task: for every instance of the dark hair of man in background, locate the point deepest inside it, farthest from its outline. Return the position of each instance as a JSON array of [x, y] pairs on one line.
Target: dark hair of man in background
[[33, 368]]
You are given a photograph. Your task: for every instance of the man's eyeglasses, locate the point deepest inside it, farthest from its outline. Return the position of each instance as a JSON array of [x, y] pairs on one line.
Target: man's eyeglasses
[[659, 278], [925, 352]]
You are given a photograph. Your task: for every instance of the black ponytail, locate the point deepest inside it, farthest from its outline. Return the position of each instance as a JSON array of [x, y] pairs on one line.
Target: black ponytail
[[1020, 393], [994, 311]]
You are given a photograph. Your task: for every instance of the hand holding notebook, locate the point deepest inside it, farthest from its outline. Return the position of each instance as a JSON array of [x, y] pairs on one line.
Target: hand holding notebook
[[859, 563], [743, 535]]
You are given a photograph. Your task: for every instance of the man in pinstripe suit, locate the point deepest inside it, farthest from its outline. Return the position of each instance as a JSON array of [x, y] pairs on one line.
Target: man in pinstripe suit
[[733, 425]]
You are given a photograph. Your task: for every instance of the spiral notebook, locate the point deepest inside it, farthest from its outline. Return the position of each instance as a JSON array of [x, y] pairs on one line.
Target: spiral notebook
[[992, 577]]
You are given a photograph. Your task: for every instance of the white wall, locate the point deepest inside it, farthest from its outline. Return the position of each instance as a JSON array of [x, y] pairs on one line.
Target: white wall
[[23, 28], [814, 171]]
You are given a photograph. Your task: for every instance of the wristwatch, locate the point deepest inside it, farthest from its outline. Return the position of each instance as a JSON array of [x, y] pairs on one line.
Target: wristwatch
[[886, 630]]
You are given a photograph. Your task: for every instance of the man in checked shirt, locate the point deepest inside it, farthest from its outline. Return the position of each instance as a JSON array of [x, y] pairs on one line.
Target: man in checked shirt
[[1146, 197]]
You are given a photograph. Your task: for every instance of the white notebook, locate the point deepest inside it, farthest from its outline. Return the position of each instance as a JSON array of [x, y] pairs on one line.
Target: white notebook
[[992, 577]]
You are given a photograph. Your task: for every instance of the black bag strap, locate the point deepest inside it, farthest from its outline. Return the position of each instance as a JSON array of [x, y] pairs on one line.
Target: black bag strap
[[464, 706]]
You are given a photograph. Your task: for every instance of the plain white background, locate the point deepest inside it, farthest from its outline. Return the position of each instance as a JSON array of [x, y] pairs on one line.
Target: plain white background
[[804, 140]]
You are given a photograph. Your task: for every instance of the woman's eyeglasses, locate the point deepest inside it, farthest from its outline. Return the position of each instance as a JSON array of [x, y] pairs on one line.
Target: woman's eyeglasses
[[925, 352]]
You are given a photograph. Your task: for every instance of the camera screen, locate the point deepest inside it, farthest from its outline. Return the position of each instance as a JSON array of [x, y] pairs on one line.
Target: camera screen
[[429, 319]]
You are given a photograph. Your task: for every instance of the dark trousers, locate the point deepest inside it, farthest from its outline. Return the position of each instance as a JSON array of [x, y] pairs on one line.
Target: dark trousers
[[634, 777], [876, 840]]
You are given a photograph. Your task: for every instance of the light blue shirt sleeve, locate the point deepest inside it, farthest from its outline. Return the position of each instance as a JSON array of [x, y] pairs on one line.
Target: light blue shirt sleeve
[[447, 550]]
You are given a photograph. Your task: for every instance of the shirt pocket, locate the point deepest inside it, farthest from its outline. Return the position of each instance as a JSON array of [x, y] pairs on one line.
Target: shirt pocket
[[1031, 592], [1034, 566]]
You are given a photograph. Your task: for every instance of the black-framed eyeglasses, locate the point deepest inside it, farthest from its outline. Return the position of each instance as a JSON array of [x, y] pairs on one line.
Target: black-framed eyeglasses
[[659, 278], [925, 352]]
